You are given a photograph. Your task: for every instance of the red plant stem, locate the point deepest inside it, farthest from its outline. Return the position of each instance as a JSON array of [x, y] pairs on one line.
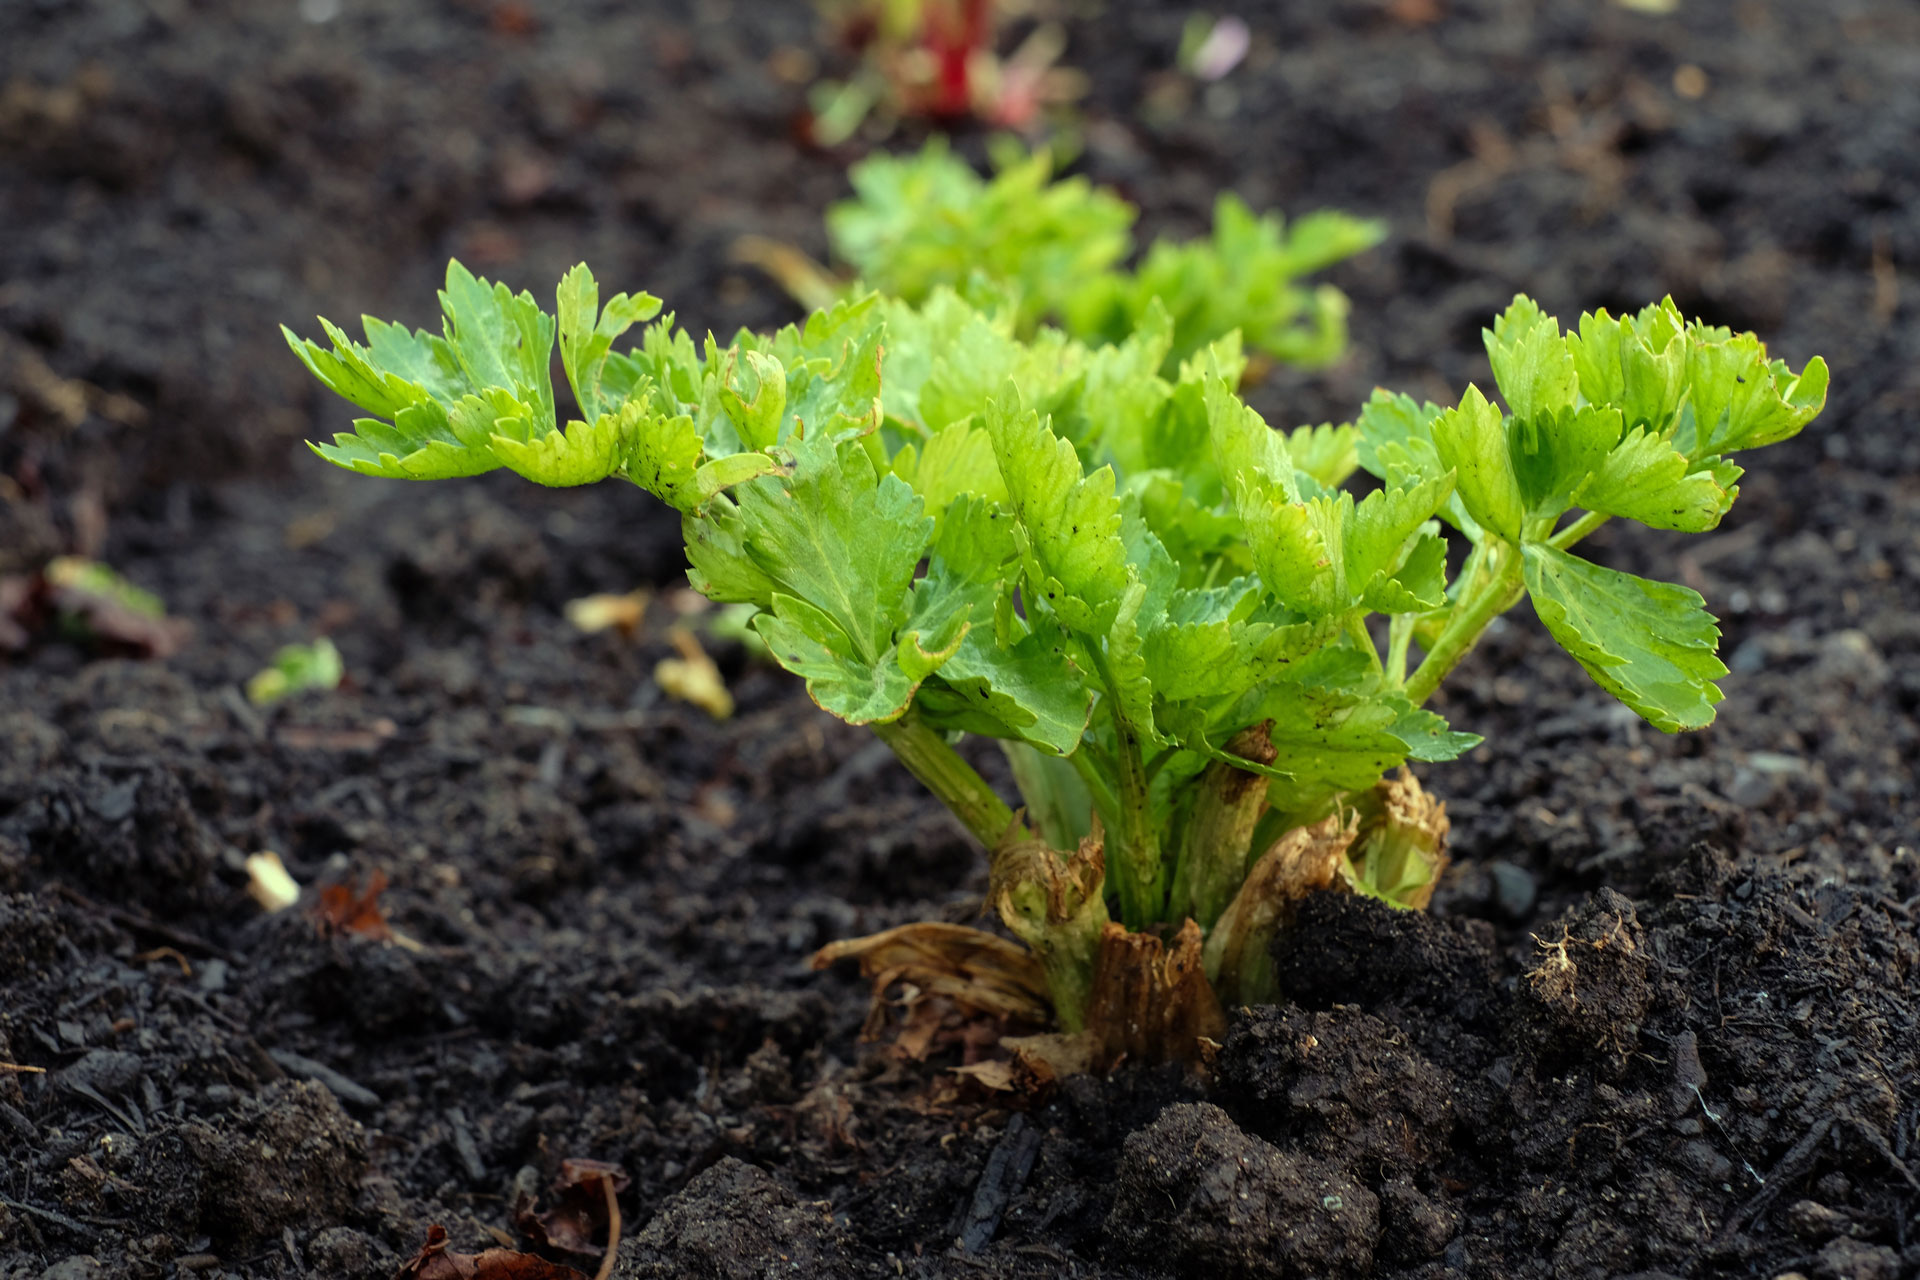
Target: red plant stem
[[953, 44]]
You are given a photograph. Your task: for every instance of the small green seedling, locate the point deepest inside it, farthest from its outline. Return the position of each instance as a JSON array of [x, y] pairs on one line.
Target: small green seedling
[[297, 667], [1206, 660]]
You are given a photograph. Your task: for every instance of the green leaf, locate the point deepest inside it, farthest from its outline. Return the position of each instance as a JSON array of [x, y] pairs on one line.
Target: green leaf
[[839, 537], [1245, 278], [447, 398], [1394, 442], [1740, 400], [1471, 440], [838, 396], [1379, 532], [1555, 454], [1069, 523], [925, 220], [1207, 644], [1646, 479], [756, 415], [1327, 453], [1339, 729], [1650, 644], [428, 442], [921, 652], [664, 457], [916, 336], [581, 454], [419, 358], [966, 568], [587, 333], [858, 689], [1122, 399], [717, 474], [1419, 584], [955, 460], [720, 566], [1531, 363], [501, 339], [968, 375], [1297, 546], [351, 372], [1027, 690], [1638, 365], [1335, 729]]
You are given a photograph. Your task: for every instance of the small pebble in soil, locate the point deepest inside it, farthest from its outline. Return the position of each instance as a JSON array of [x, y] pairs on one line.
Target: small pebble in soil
[[1514, 890]]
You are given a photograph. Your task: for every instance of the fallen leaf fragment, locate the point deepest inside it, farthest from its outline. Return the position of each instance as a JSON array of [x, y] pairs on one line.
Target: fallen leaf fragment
[[269, 882], [1038, 1062], [693, 677], [304, 737], [341, 910], [622, 613], [995, 1074], [436, 1261], [974, 969], [580, 1214]]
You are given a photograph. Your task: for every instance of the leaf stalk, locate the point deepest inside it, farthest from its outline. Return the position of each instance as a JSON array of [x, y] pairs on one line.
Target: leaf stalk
[[958, 785]]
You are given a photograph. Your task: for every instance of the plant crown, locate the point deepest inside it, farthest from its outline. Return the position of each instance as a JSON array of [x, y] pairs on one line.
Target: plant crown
[[948, 525]]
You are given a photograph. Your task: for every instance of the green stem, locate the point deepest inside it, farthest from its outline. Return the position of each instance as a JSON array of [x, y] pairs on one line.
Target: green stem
[[1485, 600], [1579, 529], [1139, 846], [1399, 639], [930, 758], [1363, 638]]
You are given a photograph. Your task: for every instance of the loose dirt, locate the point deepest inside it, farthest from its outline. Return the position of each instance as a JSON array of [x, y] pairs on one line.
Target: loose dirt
[[1660, 1022]]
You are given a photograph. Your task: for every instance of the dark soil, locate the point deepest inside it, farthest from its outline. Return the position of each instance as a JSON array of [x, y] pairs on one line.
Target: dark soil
[[1661, 1021]]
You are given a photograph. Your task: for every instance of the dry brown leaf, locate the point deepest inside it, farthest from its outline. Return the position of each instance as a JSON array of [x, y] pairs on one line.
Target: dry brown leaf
[[996, 1074], [622, 613], [341, 910], [977, 971], [304, 737], [693, 677], [579, 1216], [436, 1261]]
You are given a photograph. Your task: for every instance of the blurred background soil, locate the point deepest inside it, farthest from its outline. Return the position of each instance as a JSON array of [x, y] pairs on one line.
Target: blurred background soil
[[612, 898]]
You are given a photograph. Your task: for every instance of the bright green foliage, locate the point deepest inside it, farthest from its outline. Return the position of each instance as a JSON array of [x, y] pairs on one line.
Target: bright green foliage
[[919, 222], [296, 668], [945, 527], [1631, 417], [923, 221], [1650, 644]]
